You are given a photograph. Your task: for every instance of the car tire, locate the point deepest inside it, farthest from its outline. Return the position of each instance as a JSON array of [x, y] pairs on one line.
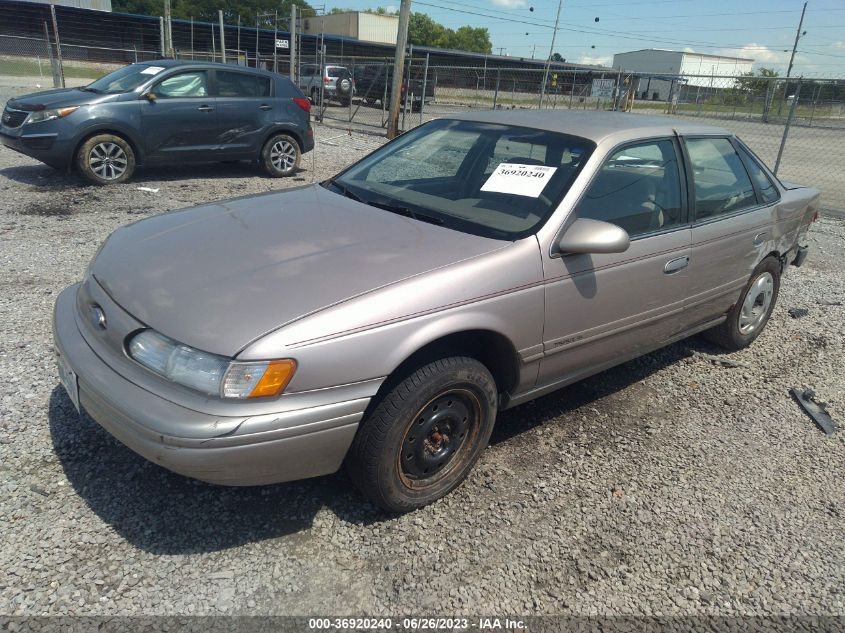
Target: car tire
[[751, 312], [281, 155], [106, 159], [423, 437]]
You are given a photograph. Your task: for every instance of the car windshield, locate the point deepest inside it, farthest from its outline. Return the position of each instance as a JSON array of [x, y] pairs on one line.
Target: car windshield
[[124, 80], [494, 180]]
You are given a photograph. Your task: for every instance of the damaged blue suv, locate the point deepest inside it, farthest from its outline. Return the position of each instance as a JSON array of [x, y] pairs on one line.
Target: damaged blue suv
[[161, 112]]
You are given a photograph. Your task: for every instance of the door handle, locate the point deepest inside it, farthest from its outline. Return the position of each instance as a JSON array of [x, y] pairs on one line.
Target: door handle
[[205, 108], [674, 265], [760, 238], [264, 106]]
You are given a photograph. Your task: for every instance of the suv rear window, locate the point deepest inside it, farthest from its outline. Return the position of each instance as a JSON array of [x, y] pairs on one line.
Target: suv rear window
[[337, 72]]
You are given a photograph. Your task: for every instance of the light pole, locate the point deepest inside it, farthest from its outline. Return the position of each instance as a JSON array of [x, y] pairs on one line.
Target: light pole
[[551, 52], [798, 35], [398, 63]]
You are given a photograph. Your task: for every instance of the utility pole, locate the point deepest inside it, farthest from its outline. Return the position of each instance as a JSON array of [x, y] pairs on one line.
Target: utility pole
[[292, 43], [398, 66], [222, 37], [798, 35], [551, 52]]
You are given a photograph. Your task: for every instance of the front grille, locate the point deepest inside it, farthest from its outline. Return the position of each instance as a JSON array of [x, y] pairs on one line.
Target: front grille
[[13, 118]]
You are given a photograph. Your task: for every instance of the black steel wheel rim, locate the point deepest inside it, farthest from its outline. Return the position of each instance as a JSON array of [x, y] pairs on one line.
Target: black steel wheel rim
[[439, 438]]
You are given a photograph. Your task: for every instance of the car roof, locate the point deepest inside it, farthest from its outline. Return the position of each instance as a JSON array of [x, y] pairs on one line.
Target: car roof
[[171, 63], [595, 126]]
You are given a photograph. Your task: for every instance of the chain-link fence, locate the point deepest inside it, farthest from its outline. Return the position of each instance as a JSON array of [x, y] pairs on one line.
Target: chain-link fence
[[796, 125]]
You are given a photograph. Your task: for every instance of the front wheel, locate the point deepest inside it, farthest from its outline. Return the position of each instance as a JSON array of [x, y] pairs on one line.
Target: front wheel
[[424, 436], [106, 159], [750, 314], [280, 156]]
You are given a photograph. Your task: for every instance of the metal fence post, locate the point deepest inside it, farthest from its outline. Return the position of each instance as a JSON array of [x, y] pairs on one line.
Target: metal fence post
[[424, 88], [495, 94], [58, 45], [54, 65], [222, 37], [161, 34], [351, 89], [192, 37], [788, 123]]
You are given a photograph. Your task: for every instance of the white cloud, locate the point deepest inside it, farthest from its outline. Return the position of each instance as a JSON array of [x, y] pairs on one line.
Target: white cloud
[[594, 60], [689, 49], [838, 45], [510, 4], [762, 55]]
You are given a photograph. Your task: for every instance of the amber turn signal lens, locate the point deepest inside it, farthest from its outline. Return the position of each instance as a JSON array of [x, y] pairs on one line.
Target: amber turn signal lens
[[276, 377]]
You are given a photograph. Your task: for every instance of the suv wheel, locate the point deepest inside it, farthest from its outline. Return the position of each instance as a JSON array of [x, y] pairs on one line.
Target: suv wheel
[[106, 159], [424, 436], [281, 156]]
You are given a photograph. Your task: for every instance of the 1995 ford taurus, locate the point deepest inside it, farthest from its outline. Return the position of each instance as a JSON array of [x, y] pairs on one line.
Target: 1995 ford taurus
[[381, 318]]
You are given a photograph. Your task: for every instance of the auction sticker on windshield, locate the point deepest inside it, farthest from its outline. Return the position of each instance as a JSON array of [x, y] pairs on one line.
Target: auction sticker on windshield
[[152, 70], [519, 180]]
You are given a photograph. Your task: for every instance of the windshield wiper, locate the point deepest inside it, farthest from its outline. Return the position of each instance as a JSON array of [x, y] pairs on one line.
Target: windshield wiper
[[87, 89], [393, 208], [345, 191], [405, 210]]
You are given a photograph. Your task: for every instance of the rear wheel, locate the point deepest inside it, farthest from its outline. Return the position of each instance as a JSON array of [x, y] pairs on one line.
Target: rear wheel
[[424, 436], [106, 159], [280, 156], [750, 314]]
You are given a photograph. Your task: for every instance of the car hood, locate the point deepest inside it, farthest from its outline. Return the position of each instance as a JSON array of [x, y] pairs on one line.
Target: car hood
[[219, 276], [61, 97]]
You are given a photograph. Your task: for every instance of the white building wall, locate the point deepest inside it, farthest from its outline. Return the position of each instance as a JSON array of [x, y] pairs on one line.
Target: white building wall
[[712, 67], [367, 27], [381, 29], [675, 63]]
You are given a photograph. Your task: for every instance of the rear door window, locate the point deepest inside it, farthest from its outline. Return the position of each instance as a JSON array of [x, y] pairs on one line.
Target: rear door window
[[722, 184], [235, 84], [768, 190]]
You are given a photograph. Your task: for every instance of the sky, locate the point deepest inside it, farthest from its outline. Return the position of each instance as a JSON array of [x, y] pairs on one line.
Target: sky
[[763, 30]]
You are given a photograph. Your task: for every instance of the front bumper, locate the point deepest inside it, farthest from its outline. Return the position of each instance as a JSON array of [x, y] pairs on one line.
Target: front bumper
[[295, 445], [47, 147]]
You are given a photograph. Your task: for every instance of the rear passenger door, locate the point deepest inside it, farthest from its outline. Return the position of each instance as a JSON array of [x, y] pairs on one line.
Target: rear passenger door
[[733, 202], [602, 309], [246, 109]]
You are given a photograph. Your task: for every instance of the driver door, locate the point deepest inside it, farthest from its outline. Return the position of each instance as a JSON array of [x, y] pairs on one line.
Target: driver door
[[181, 123], [603, 309]]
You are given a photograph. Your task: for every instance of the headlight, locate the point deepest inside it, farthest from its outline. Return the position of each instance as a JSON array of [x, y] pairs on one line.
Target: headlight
[[49, 115], [209, 373]]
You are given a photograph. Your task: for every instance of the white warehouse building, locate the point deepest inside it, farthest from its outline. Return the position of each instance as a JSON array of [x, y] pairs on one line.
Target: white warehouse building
[[664, 71]]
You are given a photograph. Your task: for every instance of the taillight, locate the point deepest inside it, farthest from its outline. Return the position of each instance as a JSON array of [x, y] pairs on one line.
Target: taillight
[[303, 103], [404, 86], [327, 80]]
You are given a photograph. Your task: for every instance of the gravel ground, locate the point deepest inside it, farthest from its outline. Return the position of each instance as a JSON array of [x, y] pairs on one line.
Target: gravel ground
[[669, 485]]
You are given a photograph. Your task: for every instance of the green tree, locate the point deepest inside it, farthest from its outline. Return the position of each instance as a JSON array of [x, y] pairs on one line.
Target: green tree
[[557, 57], [206, 10], [424, 31], [756, 83]]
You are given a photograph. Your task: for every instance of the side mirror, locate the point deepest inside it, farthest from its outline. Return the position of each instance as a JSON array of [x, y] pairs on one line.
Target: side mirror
[[593, 236], [151, 97]]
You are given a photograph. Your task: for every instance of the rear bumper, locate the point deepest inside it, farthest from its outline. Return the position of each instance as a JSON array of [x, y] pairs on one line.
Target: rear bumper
[[291, 445]]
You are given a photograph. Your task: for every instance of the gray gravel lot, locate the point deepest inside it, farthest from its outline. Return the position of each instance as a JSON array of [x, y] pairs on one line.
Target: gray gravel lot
[[669, 485]]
